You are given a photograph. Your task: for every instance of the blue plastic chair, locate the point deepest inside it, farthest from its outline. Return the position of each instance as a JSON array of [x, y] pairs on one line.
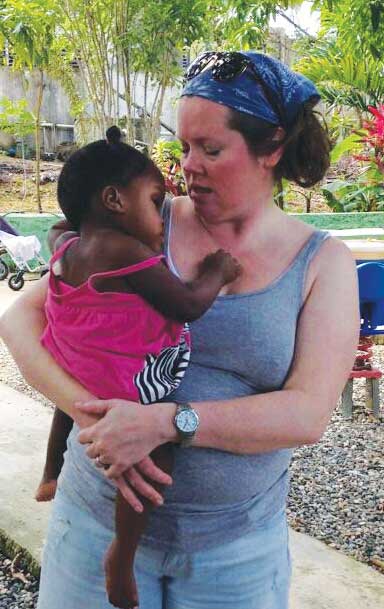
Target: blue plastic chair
[[371, 297]]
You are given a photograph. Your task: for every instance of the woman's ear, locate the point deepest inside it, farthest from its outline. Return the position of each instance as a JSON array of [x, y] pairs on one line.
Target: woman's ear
[[111, 199], [271, 160]]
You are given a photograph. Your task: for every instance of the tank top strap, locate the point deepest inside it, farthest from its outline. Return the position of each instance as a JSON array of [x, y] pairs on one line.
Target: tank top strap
[[128, 270], [166, 214], [298, 270], [311, 247], [62, 249]]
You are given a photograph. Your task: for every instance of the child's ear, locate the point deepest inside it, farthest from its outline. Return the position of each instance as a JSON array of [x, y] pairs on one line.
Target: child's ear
[[111, 199]]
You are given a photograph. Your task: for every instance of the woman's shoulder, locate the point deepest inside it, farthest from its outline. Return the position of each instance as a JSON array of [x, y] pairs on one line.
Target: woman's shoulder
[[332, 247], [330, 256], [182, 207]]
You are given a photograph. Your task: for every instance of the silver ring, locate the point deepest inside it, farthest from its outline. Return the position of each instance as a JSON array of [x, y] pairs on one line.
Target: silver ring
[[100, 464]]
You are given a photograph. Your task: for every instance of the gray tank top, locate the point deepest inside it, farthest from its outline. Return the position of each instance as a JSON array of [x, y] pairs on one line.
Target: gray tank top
[[243, 345]]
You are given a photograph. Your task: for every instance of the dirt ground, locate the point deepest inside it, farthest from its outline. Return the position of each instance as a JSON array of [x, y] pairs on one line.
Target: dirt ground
[[15, 197]]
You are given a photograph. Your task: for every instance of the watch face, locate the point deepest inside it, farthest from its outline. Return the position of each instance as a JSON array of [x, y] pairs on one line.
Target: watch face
[[187, 421]]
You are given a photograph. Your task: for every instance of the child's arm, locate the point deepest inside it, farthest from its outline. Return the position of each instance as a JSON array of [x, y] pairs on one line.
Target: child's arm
[[168, 294], [185, 301]]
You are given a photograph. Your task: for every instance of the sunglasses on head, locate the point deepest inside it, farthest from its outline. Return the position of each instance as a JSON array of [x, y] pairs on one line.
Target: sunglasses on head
[[227, 65]]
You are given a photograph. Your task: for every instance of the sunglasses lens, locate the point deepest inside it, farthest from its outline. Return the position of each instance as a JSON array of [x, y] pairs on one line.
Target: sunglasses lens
[[199, 65], [229, 66]]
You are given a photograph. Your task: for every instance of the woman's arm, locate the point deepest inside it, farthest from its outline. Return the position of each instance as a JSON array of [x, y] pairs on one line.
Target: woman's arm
[[42, 372], [298, 414], [35, 363], [327, 337]]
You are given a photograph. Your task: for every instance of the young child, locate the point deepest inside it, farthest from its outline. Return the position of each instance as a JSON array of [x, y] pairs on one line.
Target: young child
[[116, 314]]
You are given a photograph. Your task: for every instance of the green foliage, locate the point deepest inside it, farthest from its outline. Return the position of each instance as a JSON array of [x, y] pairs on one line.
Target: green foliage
[[359, 24], [344, 78], [29, 27], [351, 144], [238, 24], [15, 118], [346, 60], [117, 37], [29, 30], [167, 156], [365, 194]]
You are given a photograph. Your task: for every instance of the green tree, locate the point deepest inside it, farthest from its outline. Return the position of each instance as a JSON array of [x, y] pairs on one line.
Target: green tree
[[29, 29], [16, 119], [346, 60], [121, 45]]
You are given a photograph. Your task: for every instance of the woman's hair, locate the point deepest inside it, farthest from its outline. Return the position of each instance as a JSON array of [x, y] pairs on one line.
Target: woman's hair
[[108, 162], [306, 144]]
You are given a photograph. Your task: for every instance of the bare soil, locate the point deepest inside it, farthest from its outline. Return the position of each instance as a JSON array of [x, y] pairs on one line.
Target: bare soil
[[14, 196]]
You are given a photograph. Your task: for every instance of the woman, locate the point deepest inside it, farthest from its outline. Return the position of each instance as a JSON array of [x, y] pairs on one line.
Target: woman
[[269, 362]]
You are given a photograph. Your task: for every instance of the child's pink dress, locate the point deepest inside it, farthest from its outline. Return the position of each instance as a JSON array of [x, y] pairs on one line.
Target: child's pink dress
[[115, 344]]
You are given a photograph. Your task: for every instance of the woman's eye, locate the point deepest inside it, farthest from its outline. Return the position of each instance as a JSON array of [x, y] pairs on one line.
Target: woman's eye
[[212, 151]]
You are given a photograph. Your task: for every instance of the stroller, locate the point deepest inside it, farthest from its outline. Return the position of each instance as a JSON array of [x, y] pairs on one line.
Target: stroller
[[24, 253]]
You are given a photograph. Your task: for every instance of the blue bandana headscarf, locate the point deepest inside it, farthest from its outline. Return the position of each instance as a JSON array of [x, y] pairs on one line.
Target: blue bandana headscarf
[[289, 89]]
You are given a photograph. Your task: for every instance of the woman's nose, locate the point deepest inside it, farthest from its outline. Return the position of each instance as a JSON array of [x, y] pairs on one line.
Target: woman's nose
[[191, 163]]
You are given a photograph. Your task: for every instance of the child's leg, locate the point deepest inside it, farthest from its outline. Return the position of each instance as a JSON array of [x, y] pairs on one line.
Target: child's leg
[[57, 445], [121, 586]]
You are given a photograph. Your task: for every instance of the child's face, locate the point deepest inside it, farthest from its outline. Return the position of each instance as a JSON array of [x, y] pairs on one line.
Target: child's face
[[142, 200]]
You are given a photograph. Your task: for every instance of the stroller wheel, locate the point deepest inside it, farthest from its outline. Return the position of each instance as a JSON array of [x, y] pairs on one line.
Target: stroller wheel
[[16, 282], [4, 270]]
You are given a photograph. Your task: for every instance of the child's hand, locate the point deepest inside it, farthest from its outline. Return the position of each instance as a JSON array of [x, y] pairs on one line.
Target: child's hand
[[119, 578], [221, 262]]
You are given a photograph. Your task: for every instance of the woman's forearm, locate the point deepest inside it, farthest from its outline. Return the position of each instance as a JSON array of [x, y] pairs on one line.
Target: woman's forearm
[[35, 363], [254, 424]]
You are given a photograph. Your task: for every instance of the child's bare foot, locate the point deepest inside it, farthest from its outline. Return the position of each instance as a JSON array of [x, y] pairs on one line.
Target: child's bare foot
[[120, 581], [46, 490]]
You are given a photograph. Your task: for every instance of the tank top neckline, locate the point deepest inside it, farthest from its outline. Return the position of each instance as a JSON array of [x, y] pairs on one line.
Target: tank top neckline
[[227, 297]]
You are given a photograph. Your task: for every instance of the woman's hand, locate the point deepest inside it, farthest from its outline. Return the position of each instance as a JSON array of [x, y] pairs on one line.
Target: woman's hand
[[124, 436], [123, 439], [133, 483]]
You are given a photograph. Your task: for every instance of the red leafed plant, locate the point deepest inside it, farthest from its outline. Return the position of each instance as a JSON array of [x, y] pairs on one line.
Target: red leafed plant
[[373, 138], [167, 156]]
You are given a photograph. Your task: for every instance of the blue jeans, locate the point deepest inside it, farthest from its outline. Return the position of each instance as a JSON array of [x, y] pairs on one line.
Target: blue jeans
[[252, 572]]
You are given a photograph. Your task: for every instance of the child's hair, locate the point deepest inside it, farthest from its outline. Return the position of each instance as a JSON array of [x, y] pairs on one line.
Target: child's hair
[[99, 164]]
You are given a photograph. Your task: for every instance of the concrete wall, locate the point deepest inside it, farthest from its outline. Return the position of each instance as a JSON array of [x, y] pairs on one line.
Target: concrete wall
[[55, 107], [39, 224]]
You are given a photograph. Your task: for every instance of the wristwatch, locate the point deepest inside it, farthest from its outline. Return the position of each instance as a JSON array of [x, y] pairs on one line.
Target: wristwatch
[[186, 422]]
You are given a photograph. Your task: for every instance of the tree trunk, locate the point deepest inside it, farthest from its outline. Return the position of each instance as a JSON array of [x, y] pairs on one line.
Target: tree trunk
[[280, 195], [24, 169], [308, 199], [37, 137], [155, 126]]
